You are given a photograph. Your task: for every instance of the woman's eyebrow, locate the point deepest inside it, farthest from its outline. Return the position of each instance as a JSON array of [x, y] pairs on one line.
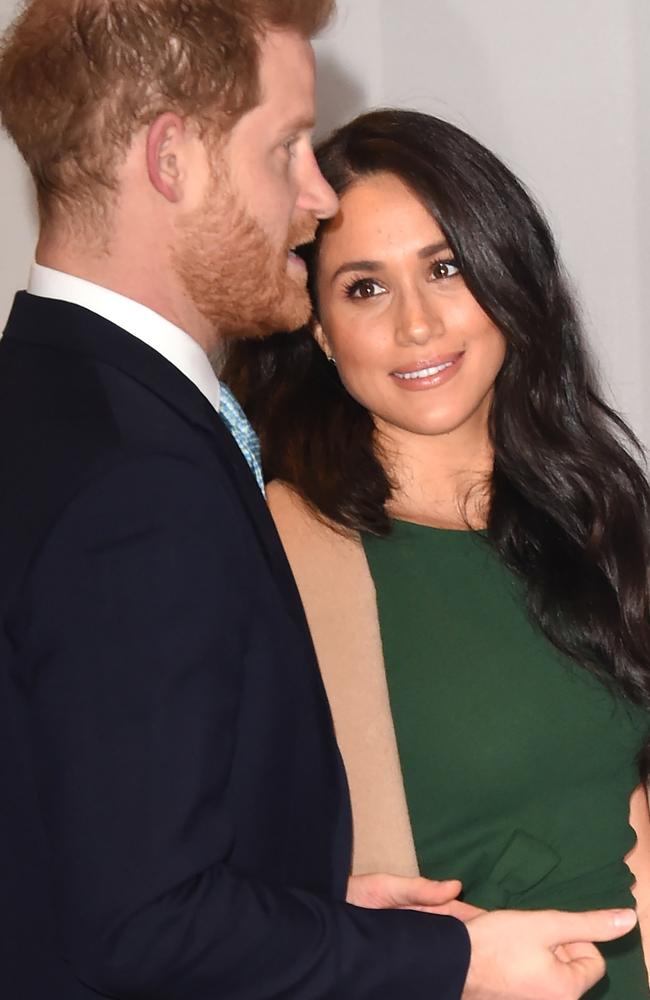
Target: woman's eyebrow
[[376, 265], [433, 248], [357, 265]]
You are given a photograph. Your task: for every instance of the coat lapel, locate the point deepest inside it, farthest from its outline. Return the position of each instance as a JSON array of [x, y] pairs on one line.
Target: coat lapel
[[67, 327]]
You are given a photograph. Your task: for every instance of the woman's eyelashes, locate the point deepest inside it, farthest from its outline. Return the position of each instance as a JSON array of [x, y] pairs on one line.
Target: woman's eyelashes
[[442, 269], [363, 288]]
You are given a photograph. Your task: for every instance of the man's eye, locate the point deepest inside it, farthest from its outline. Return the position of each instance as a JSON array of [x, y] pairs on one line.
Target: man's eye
[[290, 145], [441, 269], [365, 288]]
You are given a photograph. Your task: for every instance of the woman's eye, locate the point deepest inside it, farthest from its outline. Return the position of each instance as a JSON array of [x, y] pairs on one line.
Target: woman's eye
[[441, 269], [366, 288]]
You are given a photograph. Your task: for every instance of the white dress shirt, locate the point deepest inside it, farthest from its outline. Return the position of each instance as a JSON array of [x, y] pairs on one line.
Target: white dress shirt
[[174, 344]]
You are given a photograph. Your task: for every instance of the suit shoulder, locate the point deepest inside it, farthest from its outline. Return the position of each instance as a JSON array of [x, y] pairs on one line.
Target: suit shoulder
[[55, 394]]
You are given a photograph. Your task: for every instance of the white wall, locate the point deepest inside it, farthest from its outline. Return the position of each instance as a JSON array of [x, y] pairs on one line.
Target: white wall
[[350, 63], [559, 88], [17, 210]]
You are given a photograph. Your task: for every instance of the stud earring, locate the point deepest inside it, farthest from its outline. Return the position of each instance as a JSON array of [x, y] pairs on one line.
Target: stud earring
[[331, 359]]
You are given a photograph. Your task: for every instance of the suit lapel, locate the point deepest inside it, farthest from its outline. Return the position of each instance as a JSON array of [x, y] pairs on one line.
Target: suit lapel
[[66, 327], [249, 492]]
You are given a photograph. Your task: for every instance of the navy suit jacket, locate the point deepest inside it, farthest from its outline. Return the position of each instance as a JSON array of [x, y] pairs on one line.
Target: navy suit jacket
[[175, 820]]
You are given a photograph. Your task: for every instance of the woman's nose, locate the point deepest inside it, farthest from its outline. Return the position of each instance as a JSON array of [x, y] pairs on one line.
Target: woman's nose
[[418, 320]]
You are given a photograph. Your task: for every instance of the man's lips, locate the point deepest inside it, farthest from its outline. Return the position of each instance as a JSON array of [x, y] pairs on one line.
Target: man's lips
[[294, 261], [430, 372], [301, 238]]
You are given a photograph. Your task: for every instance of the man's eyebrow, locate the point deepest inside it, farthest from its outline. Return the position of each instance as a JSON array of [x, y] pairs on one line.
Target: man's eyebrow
[[303, 123]]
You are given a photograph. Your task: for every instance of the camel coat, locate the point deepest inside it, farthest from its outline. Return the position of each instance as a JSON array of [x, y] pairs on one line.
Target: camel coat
[[339, 598]]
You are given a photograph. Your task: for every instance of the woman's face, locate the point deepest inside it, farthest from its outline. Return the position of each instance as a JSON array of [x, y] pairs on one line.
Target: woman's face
[[411, 343]]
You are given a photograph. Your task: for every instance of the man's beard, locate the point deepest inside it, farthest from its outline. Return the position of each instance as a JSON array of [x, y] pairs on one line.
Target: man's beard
[[235, 276]]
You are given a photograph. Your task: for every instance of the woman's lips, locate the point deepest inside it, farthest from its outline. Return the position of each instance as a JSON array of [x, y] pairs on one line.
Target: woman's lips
[[427, 374]]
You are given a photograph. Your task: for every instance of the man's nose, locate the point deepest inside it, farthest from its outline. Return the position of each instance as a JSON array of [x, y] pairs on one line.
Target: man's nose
[[316, 195]]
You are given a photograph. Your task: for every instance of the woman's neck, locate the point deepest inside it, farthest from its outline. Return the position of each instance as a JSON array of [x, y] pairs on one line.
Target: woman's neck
[[441, 480]]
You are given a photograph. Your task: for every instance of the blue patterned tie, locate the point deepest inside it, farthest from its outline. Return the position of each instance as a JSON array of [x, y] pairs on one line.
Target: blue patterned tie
[[237, 423]]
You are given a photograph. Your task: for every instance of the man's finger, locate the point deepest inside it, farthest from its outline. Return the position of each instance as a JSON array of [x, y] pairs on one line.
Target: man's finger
[[586, 969], [577, 950], [417, 892], [381, 891], [462, 911], [595, 925]]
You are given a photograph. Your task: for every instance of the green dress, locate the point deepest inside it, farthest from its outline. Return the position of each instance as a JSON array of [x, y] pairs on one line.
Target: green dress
[[518, 764]]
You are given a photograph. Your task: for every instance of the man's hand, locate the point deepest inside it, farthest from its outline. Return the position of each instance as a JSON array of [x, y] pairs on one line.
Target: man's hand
[[394, 892], [539, 956]]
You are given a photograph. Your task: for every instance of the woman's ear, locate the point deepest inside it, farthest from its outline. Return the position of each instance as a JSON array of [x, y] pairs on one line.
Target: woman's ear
[[321, 340]]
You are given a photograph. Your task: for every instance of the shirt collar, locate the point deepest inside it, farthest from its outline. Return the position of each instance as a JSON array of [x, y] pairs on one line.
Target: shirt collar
[[150, 327]]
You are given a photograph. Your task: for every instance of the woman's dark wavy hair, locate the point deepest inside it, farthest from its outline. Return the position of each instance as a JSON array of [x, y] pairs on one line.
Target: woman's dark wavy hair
[[570, 504]]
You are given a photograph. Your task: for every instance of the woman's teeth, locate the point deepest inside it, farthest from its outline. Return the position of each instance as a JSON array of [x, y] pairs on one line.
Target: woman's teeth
[[424, 372]]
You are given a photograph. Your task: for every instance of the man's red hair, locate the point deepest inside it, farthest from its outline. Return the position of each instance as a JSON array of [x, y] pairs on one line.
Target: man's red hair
[[78, 78]]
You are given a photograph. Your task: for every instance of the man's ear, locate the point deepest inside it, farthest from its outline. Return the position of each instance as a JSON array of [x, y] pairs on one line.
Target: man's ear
[[166, 138], [321, 339]]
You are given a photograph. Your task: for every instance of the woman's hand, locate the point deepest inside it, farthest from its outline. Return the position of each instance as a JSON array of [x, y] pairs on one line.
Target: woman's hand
[[396, 892]]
